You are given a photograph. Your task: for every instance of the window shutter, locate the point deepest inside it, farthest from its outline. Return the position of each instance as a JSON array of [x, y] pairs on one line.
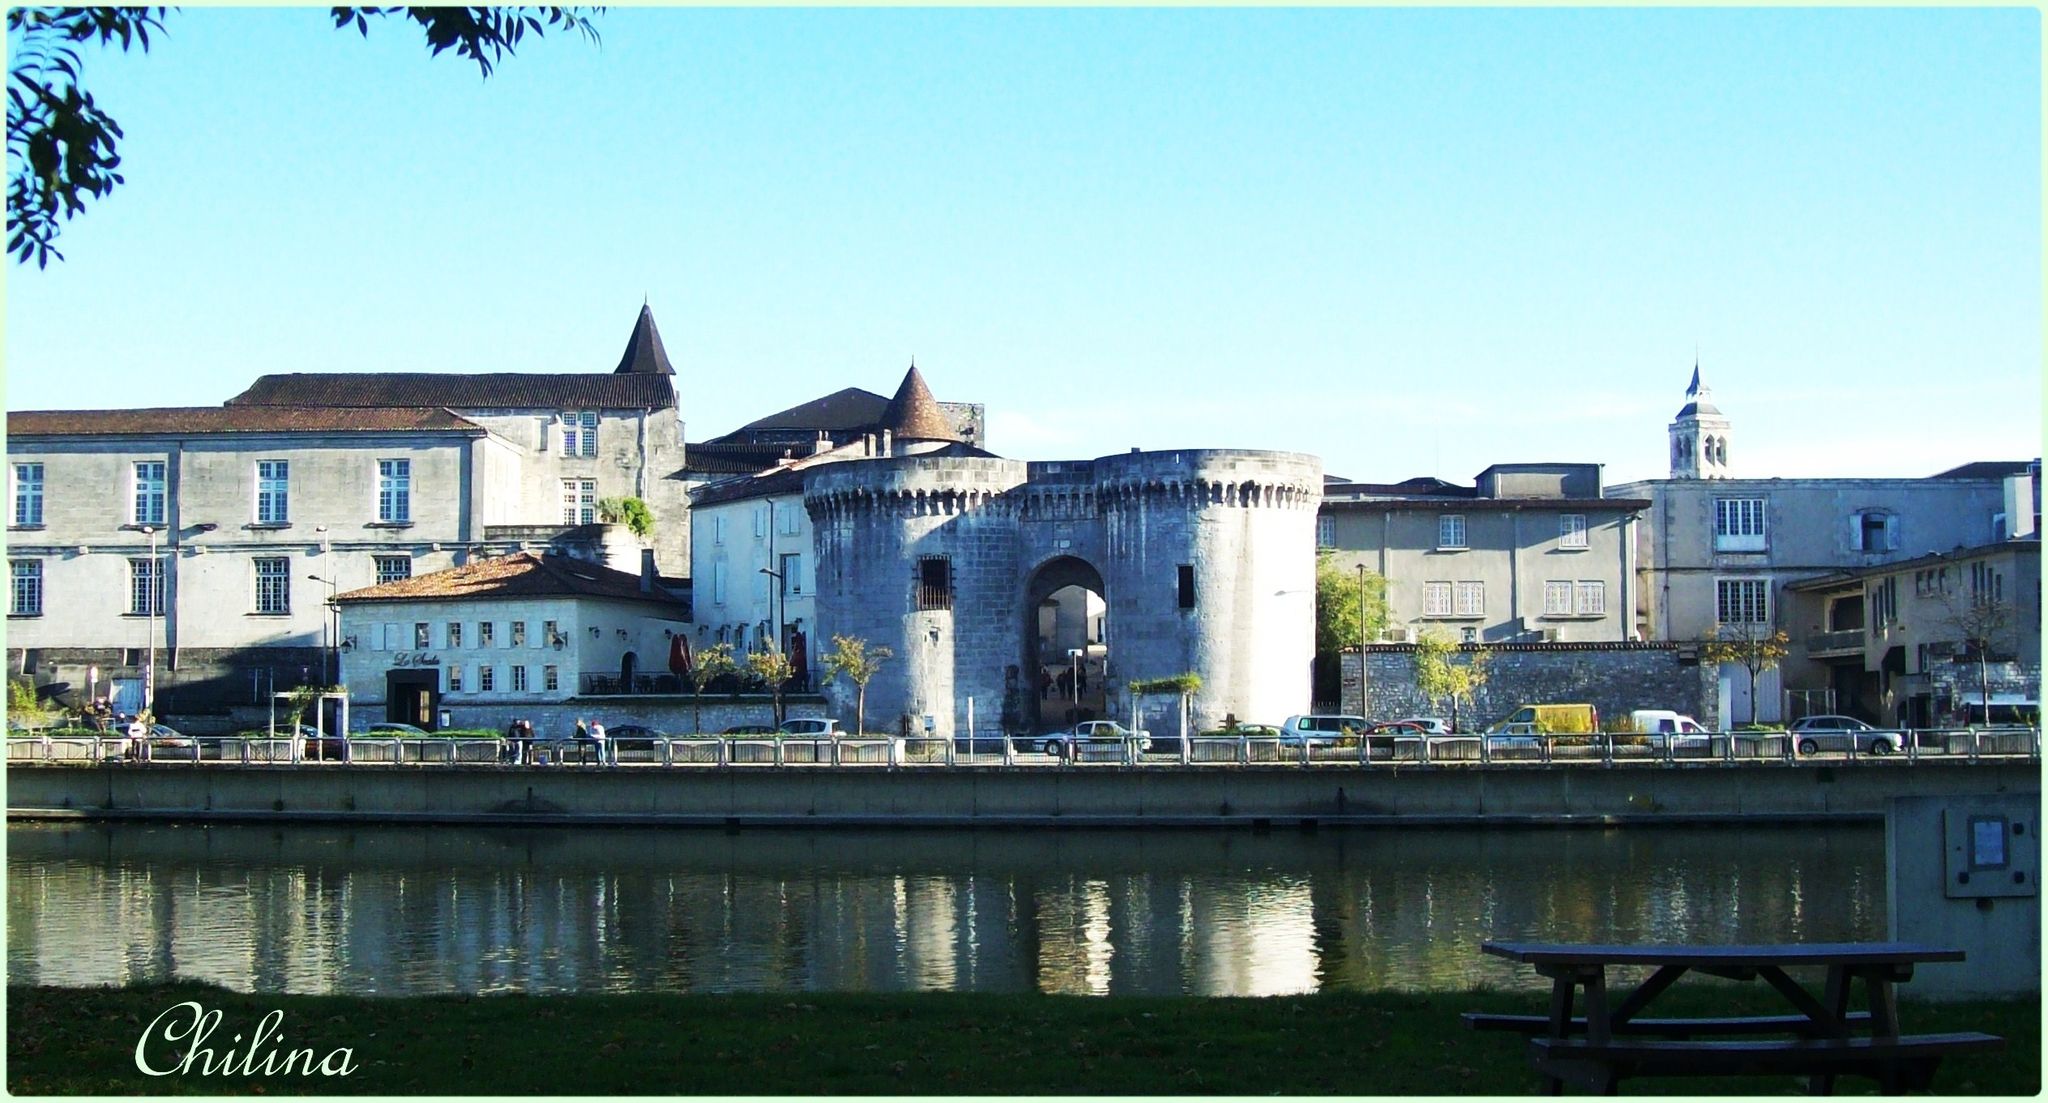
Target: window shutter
[[1891, 532]]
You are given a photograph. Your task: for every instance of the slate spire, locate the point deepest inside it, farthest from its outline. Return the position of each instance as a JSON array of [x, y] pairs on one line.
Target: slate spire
[[644, 354]]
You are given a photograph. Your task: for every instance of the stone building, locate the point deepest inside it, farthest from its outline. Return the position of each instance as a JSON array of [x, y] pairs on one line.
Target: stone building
[[302, 486], [1531, 553], [836, 421], [1715, 552], [1897, 644], [503, 637], [1204, 560]]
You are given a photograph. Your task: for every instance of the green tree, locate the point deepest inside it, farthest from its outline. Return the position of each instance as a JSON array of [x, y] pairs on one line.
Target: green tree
[[61, 146], [630, 512], [1441, 676], [853, 658], [770, 669], [1980, 619], [706, 667], [1754, 647], [1343, 597]]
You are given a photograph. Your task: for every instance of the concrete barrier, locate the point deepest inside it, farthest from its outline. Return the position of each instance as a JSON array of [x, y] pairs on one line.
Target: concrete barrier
[[997, 796]]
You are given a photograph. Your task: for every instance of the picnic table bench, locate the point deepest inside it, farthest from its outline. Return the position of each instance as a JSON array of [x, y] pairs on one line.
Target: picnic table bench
[[1607, 1045]]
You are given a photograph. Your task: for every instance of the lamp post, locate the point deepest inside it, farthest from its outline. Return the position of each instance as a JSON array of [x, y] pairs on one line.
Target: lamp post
[[1362, 712], [151, 595], [329, 631], [774, 604], [1074, 653]]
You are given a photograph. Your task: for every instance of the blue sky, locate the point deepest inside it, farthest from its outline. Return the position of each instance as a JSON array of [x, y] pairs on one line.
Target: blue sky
[[1410, 241]]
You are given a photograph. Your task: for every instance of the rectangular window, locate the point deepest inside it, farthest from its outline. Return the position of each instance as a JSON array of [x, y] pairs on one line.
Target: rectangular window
[[548, 633], [455, 678], [579, 501], [1450, 530], [422, 638], [1557, 599], [519, 679], [454, 634], [1591, 599], [1571, 530], [486, 633], [718, 582], [518, 633], [792, 518], [1326, 532], [761, 519], [145, 587], [273, 492], [579, 433], [392, 568], [486, 678], [1186, 581], [394, 492], [934, 582], [1471, 599], [718, 529], [1739, 524], [1436, 599], [1742, 600], [793, 575], [273, 585], [28, 494], [149, 492], [26, 597], [550, 679]]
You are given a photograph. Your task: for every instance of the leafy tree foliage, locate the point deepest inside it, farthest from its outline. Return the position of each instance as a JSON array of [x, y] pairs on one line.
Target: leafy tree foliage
[[61, 145], [1440, 676], [630, 512], [1755, 647], [708, 666], [853, 658], [772, 670], [1341, 600]]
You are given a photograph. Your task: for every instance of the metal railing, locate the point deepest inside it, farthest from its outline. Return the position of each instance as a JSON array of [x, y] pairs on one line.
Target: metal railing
[[1893, 747]]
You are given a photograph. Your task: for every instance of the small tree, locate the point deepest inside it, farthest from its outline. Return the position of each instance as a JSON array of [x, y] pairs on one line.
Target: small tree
[[771, 669], [709, 665], [1980, 619], [630, 512], [852, 657], [1347, 611], [1440, 676], [1755, 647], [23, 705]]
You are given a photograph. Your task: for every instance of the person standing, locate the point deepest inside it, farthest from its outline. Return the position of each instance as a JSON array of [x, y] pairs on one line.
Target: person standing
[[597, 737]]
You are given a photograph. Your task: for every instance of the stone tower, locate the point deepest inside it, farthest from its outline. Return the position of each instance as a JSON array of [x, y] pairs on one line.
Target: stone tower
[[1699, 435]]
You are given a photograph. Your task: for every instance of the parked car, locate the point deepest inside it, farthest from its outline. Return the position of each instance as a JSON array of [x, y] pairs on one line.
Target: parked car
[[1555, 719], [1664, 726], [749, 729], [1513, 735], [1093, 735], [1813, 734], [815, 726], [172, 743], [1434, 725], [1320, 731]]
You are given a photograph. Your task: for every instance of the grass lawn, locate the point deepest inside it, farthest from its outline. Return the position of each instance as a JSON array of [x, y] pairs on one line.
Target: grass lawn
[[74, 1041]]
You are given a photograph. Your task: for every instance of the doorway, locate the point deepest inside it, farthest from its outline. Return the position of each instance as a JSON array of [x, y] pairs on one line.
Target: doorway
[[1066, 645], [411, 697]]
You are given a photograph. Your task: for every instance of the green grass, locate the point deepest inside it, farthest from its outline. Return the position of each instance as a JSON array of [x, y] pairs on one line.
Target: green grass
[[75, 1041]]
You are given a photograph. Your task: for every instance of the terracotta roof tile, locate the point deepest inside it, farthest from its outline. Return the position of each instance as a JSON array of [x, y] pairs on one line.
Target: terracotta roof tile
[[178, 420], [521, 574]]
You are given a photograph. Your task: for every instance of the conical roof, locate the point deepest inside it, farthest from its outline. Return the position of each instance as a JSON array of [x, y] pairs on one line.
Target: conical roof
[[644, 354], [914, 414], [1699, 397]]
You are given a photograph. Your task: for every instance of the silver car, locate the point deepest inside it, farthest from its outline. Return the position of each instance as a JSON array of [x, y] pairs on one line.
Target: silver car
[[1814, 734]]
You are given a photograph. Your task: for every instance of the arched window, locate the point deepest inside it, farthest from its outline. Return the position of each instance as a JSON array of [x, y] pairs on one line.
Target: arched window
[[1874, 530], [1721, 451]]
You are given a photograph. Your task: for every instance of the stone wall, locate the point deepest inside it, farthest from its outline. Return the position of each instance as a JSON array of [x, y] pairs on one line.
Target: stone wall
[[1615, 678], [203, 679]]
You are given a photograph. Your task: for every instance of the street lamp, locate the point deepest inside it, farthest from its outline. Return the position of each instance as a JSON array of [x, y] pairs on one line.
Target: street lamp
[[773, 605], [1362, 711], [329, 631], [151, 596]]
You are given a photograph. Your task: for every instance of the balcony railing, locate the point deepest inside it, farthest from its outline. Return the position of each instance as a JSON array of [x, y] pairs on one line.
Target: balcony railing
[[1848, 639]]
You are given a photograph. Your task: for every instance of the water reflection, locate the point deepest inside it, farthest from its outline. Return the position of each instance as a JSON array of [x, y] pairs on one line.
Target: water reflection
[[405, 910]]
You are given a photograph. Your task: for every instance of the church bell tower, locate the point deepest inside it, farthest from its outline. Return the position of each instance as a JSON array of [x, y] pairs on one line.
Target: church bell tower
[[1699, 435]]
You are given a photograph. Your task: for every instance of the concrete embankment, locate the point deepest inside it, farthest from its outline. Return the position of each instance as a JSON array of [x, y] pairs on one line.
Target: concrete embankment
[[1001, 797]]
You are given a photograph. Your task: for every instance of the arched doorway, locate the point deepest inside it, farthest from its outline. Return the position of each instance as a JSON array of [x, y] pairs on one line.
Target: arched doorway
[[1065, 644]]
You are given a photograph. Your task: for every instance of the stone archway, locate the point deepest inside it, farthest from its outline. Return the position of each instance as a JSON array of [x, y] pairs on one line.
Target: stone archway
[[1065, 609]]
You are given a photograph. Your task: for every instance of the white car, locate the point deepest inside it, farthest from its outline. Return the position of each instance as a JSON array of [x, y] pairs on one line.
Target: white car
[[1092, 735], [1320, 731], [817, 727], [1814, 734]]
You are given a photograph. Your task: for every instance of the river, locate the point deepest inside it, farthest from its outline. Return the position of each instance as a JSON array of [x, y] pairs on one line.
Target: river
[[409, 910]]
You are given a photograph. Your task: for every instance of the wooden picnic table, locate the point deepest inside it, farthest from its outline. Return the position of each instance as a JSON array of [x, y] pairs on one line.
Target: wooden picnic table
[[1815, 1041]]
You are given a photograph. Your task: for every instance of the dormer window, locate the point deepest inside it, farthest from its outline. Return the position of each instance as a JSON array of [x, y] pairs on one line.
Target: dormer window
[[1874, 530]]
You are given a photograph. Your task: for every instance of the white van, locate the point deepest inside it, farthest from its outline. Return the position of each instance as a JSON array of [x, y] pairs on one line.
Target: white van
[[1679, 729], [1320, 731]]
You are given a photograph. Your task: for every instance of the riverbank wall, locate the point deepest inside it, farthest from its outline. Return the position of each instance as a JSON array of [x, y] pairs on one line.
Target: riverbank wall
[[1246, 796]]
